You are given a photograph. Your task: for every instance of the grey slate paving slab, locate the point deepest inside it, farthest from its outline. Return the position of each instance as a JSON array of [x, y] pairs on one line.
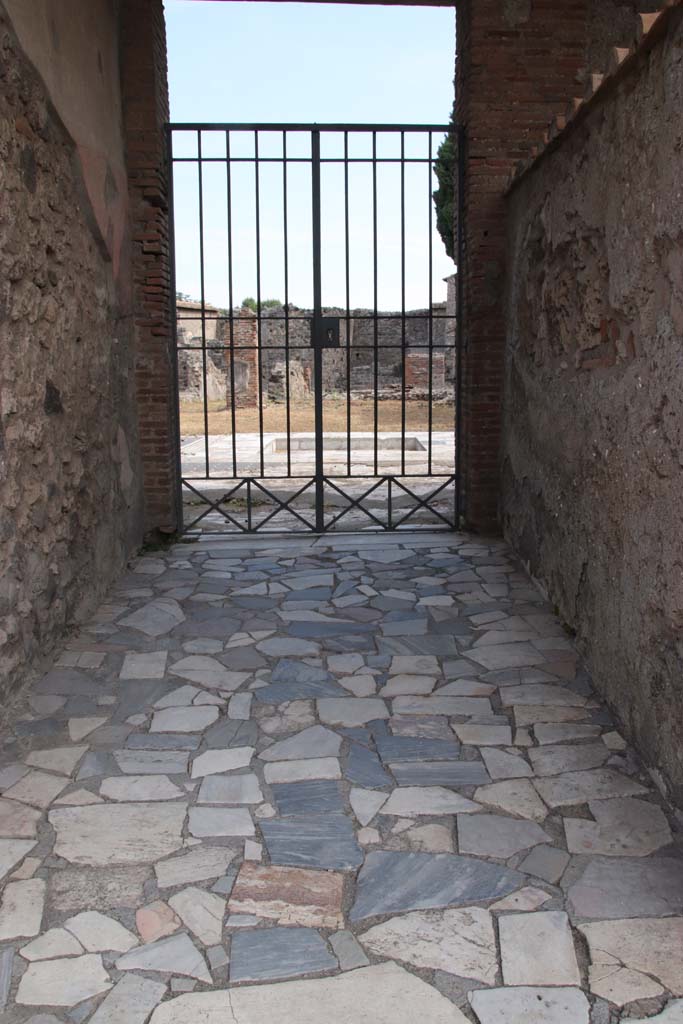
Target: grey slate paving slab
[[364, 768], [409, 748], [266, 954], [6, 960], [391, 883], [315, 841], [319, 796], [281, 693], [440, 773]]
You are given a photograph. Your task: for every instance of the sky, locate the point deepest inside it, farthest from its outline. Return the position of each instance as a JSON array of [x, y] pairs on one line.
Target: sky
[[302, 63]]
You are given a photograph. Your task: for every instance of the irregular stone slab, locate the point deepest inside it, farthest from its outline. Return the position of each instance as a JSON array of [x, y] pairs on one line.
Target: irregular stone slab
[[58, 759], [183, 719], [98, 933], [152, 762], [288, 647], [638, 888], [546, 862], [220, 821], [304, 798], [411, 664], [390, 883], [6, 962], [37, 788], [388, 993], [299, 771], [515, 655], [282, 693], [466, 688], [351, 711], [422, 727], [364, 768], [408, 685], [314, 742], [322, 841], [554, 760], [18, 821], [409, 748], [460, 942], [155, 921], [128, 788], [528, 898], [80, 727], [236, 789], [201, 912], [365, 804], [11, 773], [502, 765], [65, 682], [196, 866], [290, 896], [176, 955], [107, 834], [213, 762], [348, 951], [226, 733], [440, 773], [516, 796], [441, 705], [21, 910], [541, 694], [130, 1001], [651, 946], [207, 671], [581, 787], [564, 732], [155, 618], [530, 714], [493, 835], [620, 985], [53, 943], [622, 828], [414, 801], [267, 954], [150, 665], [538, 948], [530, 1006], [85, 888], [476, 735], [63, 982], [673, 1014]]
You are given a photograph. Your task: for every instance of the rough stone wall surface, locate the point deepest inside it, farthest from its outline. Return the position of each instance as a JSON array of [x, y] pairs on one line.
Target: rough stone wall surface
[[593, 439], [70, 509]]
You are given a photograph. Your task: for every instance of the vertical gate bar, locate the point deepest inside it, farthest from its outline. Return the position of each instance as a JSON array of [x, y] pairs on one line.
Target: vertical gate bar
[[374, 286], [348, 304], [431, 311], [231, 311], [317, 330], [403, 305], [201, 279], [258, 299], [286, 259], [249, 505], [459, 326], [389, 520], [178, 497]]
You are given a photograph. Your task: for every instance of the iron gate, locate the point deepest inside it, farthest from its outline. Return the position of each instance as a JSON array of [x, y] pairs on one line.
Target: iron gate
[[271, 394]]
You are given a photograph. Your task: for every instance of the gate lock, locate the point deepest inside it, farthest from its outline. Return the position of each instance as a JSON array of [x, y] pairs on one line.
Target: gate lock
[[325, 332]]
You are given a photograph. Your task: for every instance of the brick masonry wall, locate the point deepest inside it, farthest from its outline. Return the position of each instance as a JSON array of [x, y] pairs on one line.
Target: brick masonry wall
[[593, 436], [70, 504], [145, 111]]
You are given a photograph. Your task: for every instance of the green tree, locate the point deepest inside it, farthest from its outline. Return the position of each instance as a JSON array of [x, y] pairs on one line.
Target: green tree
[[265, 303], [445, 200]]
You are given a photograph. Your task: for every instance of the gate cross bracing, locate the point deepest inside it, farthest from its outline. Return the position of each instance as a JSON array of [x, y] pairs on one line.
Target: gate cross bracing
[[249, 378]]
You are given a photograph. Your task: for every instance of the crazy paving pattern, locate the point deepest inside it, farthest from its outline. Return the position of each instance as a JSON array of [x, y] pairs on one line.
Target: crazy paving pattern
[[355, 779]]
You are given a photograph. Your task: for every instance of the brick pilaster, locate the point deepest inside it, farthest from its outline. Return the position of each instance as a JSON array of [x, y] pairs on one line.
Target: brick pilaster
[[145, 111], [517, 66]]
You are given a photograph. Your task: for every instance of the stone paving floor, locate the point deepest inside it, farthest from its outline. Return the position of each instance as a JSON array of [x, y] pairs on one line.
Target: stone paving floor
[[353, 779]]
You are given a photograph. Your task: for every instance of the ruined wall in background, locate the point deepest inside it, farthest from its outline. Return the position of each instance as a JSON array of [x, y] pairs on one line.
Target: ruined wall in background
[[70, 508], [593, 429]]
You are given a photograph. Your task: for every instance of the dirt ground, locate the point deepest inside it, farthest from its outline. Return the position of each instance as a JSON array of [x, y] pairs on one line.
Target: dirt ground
[[301, 417]]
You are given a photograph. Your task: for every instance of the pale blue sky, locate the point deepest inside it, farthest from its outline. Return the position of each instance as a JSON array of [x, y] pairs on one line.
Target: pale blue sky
[[293, 62]]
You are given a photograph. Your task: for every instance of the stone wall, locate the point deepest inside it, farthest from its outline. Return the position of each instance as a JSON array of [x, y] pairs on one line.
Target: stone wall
[[593, 434], [70, 503]]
